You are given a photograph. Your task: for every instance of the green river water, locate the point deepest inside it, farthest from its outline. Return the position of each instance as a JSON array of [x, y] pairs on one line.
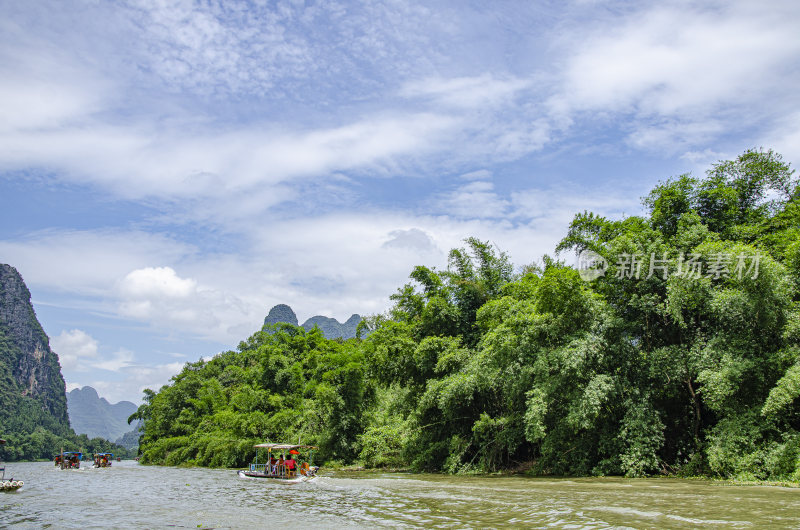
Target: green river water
[[128, 495]]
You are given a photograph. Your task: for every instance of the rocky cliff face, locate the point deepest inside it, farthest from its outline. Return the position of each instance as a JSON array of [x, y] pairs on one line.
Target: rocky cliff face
[[94, 416], [31, 383], [331, 328]]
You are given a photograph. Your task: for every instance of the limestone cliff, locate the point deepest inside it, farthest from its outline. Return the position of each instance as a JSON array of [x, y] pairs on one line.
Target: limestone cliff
[[32, 390], [281, 313]]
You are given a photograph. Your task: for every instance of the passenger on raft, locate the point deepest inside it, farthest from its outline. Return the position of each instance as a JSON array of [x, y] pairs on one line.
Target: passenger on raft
[[290, 466]]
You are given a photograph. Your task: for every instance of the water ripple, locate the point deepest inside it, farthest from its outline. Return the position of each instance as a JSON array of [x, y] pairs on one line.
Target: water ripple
[[129, 495]]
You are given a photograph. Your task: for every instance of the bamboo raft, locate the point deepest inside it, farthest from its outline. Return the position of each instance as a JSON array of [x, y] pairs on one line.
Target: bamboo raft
[[8, 484]]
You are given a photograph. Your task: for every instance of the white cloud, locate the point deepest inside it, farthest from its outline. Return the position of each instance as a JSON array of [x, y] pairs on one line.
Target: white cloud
[[683, 75], [175, 164], [135, 378], [283, 51], [159, 297], [785, 139], [675, 58], [466, 92], [74, 347], [675, 135], [119, 360], [476, 200], [668, 71], [413, 239], [79, 352], [156, 282], [556, 207], [480, 174], [42, 86], [89, 262], [194, 154]]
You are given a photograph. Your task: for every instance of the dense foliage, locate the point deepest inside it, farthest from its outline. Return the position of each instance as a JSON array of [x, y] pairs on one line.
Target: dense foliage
[[682, 355], [41, 444], [284, 383], [20, 413]]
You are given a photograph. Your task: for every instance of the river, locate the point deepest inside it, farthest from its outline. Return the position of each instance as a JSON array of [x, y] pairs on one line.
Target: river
[[128, 495]]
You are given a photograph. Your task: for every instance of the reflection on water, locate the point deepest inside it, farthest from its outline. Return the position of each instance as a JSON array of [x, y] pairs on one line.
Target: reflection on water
[[129, 495]]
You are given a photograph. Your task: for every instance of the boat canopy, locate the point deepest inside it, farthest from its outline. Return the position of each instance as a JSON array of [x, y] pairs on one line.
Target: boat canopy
[[281, 447], [105, 454], [72, 453]]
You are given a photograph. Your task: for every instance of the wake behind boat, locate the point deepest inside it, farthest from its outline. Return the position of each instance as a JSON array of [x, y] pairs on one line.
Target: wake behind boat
[[287, 465]]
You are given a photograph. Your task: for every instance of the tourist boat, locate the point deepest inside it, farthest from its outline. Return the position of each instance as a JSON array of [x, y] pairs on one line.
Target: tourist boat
[[280, 464], [8, 484], [103, 459], [68, 460]]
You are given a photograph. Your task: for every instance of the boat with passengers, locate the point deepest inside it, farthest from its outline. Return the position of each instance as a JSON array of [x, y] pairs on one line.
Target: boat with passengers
[[282, 462], [68, 460], [103, 459]]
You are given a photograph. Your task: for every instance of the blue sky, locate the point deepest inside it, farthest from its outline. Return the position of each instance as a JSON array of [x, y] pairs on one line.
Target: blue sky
[[169, 170]]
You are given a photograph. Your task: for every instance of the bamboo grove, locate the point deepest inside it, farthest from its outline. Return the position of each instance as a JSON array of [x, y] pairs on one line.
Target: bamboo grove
[[658, 365]]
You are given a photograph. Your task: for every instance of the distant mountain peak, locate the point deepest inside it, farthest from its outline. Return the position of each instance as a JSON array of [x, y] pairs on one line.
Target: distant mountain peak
[[354, 319], [85, 390], [281, 313], [94, 416], [330, 327]]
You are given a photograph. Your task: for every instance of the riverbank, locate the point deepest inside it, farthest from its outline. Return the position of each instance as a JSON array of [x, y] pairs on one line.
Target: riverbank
[[357, 468], [525, 471]]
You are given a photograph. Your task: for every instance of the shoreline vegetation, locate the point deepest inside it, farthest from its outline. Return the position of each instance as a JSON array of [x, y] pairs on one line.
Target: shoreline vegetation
[[356, 468], [673, 349], [360, 468]]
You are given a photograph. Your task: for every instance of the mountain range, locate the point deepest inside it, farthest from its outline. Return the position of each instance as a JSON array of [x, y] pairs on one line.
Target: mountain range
[[330, 327], [94, 416]]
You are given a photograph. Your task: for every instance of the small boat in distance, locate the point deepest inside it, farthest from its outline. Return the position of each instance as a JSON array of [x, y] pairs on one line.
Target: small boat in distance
[[103, 459], [282, 465], [8, 484], [68, 460]]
